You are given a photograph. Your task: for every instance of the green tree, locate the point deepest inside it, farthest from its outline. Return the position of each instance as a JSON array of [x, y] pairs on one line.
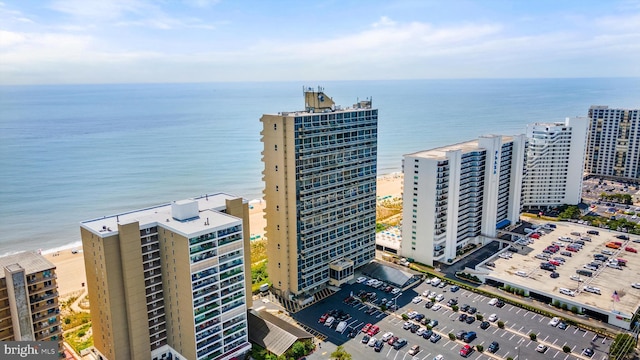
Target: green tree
[[566, 349], [501, 324], [480, 348], [452, 336], [298, 349], [340, 354], [533, 336]]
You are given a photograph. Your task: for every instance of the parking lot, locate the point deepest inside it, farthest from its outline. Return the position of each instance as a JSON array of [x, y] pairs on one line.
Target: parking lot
[[513, 340]]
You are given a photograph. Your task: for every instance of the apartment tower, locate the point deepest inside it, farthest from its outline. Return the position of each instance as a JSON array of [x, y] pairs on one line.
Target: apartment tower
[[320, 192], [29, 299], [554, 163], [613, 145], [460, 194], [170, 281]]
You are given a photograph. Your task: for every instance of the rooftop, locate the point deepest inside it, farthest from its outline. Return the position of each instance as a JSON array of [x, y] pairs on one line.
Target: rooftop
[[465, 147], [607, 279], [29, 261], [209, 217]]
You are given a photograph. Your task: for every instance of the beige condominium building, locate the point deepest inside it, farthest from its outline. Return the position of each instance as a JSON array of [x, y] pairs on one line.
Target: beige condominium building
[[29, 299], [613, 145], [170, 281], [320, 192]]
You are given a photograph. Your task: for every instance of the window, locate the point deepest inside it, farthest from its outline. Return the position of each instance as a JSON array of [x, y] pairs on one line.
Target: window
[[275, 126], [278, 246], [275, 147], [276, 187], [276, 167]]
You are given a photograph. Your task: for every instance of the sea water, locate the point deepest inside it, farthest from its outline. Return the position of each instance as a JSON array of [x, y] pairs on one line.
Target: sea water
[[74, 152]]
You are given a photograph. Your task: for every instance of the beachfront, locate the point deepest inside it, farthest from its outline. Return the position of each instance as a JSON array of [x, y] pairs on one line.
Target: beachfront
[[70, 269]]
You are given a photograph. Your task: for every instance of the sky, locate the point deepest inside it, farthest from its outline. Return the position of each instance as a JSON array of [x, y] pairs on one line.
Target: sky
[[165, 41]]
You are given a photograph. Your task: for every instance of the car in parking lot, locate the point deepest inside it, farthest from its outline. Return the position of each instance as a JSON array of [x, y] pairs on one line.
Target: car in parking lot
[[554, 275], [455, 288], [392, 340], [464, 307], [435, 338], [365, 339], [407, 325], [378, 345], [440, 297], [462, 317], [366, 328], [395, 291], [554, 322], [493, 301], [415, 349], [439, 357], [541, 348], [630, 249], [399, 344], [588, 352], [593, 232], [436, 307], [416, 300], [470, 336], [472, 310], [466, 350], [427, 334], [563, 325], [428, 304], [452, 302], [412, 314], [386, 336], [419, 317], [470, 319], [591, 289], [373, 330], [622, 237], [493, 317], [493, 347], [635, 285], [460, 334], [414, 328], [372, 342], [361, 279], [484, 325], [433, 323]]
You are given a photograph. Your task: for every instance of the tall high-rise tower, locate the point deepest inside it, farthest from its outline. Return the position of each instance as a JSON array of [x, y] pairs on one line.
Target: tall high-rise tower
[[29, 299], [320, 192], [613, 145], [460, 194], [170, 281], [554, 163]]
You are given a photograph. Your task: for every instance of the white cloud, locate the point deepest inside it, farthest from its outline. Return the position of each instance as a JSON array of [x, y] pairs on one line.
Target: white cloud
[[623, 23], [201, 3], [384, 21], [8, 38]]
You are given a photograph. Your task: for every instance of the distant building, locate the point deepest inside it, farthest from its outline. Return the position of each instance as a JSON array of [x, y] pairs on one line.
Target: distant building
[[554, 163], [170, 281], [29, 299], [613, 145], [460, 194], [320, 191]]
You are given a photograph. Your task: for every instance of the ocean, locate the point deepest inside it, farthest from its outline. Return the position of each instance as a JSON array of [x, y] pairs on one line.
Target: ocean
[[74, 152]]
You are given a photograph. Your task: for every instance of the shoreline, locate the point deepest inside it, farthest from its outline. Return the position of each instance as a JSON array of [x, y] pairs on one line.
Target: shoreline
[[70, 270]]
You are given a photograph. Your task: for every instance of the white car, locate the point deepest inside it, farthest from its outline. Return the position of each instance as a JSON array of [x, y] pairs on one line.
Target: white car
[[493, 301], [541, 348], [635, 285], [575, 278], [416, 300], [505, 256], [387, 336], [395, 291], [435, 281], [591, 289], [361, 279], [440, 297], [425, 293], [554, 322], [421, 331], [412, 314], [439, 357], [493, 317], [436, 307], [372, 341]]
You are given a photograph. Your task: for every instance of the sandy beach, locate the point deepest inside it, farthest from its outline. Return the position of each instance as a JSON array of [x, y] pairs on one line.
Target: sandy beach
[[70, 267]]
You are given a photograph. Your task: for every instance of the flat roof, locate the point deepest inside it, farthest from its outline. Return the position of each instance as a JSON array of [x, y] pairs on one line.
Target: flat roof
[[465, 147], [209, 217], [31, 262], [607, 279]]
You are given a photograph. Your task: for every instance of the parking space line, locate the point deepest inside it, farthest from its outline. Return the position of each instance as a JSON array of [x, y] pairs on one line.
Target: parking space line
[[585, 333], [496, 330], [557, 352], [503, 334], [518, 312], [542, 318], [534, 316], [512, 337], [454, 346], [573, 348], [575, 331], [566, 357], [554, 342], [506, 355]]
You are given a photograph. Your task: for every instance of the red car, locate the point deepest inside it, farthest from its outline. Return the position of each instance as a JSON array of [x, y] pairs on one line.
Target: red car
[[323, 318], [392, 340], [554, 262], [366, 328], [630, 249], [373, 330], [466, 350], [534, 236], [572, 249], [622, 262]]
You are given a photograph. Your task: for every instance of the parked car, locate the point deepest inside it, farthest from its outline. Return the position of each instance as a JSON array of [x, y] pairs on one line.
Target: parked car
[[470, 319], [378, 346], [541, 348], [485, 325], [386, 336], [630, 249], [365, 339], [493, 301], [399, 344], [493, 317], [466, 350], [415, 349], [493, 347], [554, 322], [462, 317], [471, 335], [435, 338]]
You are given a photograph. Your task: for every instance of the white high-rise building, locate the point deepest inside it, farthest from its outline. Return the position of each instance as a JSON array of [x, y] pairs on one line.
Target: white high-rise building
[[613, 145], [554, 163], [460, 194]]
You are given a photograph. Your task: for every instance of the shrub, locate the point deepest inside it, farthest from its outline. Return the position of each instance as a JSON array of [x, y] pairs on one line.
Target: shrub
[[67, 321], [566, 349], [452, 336], [405, 317], [501, 324], [479, 317], [383, 307], [533, 336], [509, 358], [574, 309], [480, 348], [556, 303], [454, 308], [564, 306]]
